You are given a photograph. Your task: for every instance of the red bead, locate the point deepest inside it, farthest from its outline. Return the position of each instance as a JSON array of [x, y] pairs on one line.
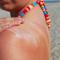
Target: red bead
[[28, 7], [47, 18], [25, 11], [38, 2], [46, 15], [41, 3]]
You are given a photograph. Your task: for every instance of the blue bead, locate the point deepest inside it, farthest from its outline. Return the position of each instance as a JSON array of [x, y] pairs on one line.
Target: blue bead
[[34, 3], [45, 7], [21, 14], [45, 12]]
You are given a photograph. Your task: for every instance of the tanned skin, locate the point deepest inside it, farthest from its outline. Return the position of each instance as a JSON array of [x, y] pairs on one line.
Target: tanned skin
[[28, 41]]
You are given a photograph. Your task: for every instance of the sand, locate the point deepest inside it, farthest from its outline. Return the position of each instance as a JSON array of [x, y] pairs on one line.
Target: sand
[[54, 11]]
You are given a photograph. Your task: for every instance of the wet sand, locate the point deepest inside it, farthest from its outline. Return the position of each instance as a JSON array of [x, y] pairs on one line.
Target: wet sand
[[54, 11]]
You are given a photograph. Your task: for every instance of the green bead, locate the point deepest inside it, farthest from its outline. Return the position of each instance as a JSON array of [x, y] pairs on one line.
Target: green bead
[[34, 3], [21, 14]]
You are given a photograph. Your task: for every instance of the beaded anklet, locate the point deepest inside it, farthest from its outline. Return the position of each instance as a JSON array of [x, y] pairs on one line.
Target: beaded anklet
[[42, 6], [9, 22]]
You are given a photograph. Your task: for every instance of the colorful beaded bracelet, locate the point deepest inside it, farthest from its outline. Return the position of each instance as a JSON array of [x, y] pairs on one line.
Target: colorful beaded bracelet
[[42, 6]]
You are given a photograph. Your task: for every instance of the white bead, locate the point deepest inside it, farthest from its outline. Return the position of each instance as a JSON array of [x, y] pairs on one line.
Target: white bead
[[30, 6]]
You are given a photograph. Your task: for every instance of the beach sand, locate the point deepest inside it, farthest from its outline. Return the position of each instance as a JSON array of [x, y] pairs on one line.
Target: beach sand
[[54, 12]]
